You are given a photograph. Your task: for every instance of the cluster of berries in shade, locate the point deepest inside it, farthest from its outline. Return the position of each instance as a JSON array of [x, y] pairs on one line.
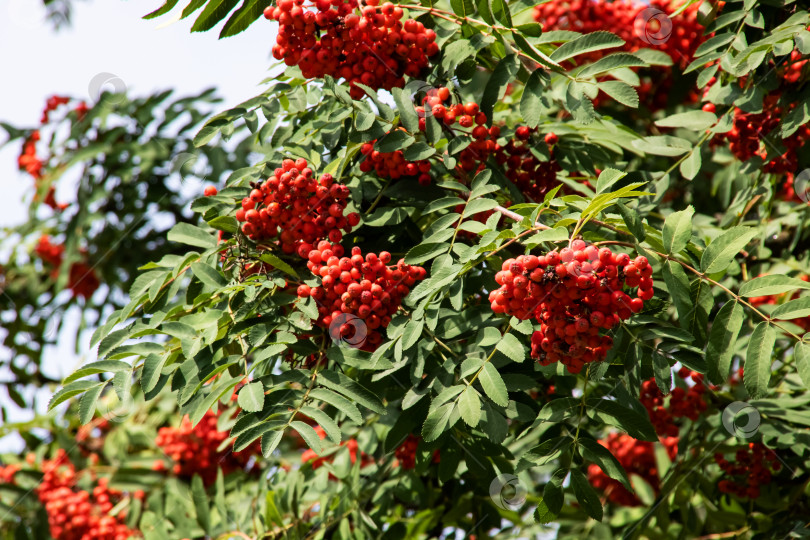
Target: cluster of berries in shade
[[201, 449], [683, 403], [82, 279], [463, 118], [370, 45], [625, 19], [788, 191], [297, 208], [76, 514], [468, 120], [749, 134], [357, 287], [752, 468], [533, 177], [574, 294], [309, 455], [406, 452], [636, 457], [792, 72], [642, 25], [31, 163], [90, 437], [774, 299]]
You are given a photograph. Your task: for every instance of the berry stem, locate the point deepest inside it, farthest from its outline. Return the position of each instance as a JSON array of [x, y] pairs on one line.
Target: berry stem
[[452, 17], [510, 241], [517, 217], [731, 534], [379, 197], [441, 343], [231, 534], [582, 403], [695, 148]]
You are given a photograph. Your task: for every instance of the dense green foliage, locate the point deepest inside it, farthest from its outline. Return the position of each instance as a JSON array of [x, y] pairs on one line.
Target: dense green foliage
[[451, 424]]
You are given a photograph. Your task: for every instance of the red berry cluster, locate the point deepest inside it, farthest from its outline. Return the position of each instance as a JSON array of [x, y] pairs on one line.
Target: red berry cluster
[[406, 452], [466, 115], [393, 164], [746, 139], [53, 103], [636, 457], [470, 121], [82, 279], [792, 71], [372, 46], [351, 444], [573, 294], [8, 472], [75, 514], [297, 208], [683, 403], [774, 299], [677, 36], [533, 177], [627, 19], [358, 287], [753, 467], [94, 432], [788, 190], [49, 252], [198, 449], [29, 162]]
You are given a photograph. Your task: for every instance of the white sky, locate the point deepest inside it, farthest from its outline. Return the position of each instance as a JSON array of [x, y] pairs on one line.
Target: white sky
[[109, 36]]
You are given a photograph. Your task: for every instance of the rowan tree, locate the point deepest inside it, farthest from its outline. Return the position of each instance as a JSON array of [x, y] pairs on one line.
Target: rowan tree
[[462, 269]]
